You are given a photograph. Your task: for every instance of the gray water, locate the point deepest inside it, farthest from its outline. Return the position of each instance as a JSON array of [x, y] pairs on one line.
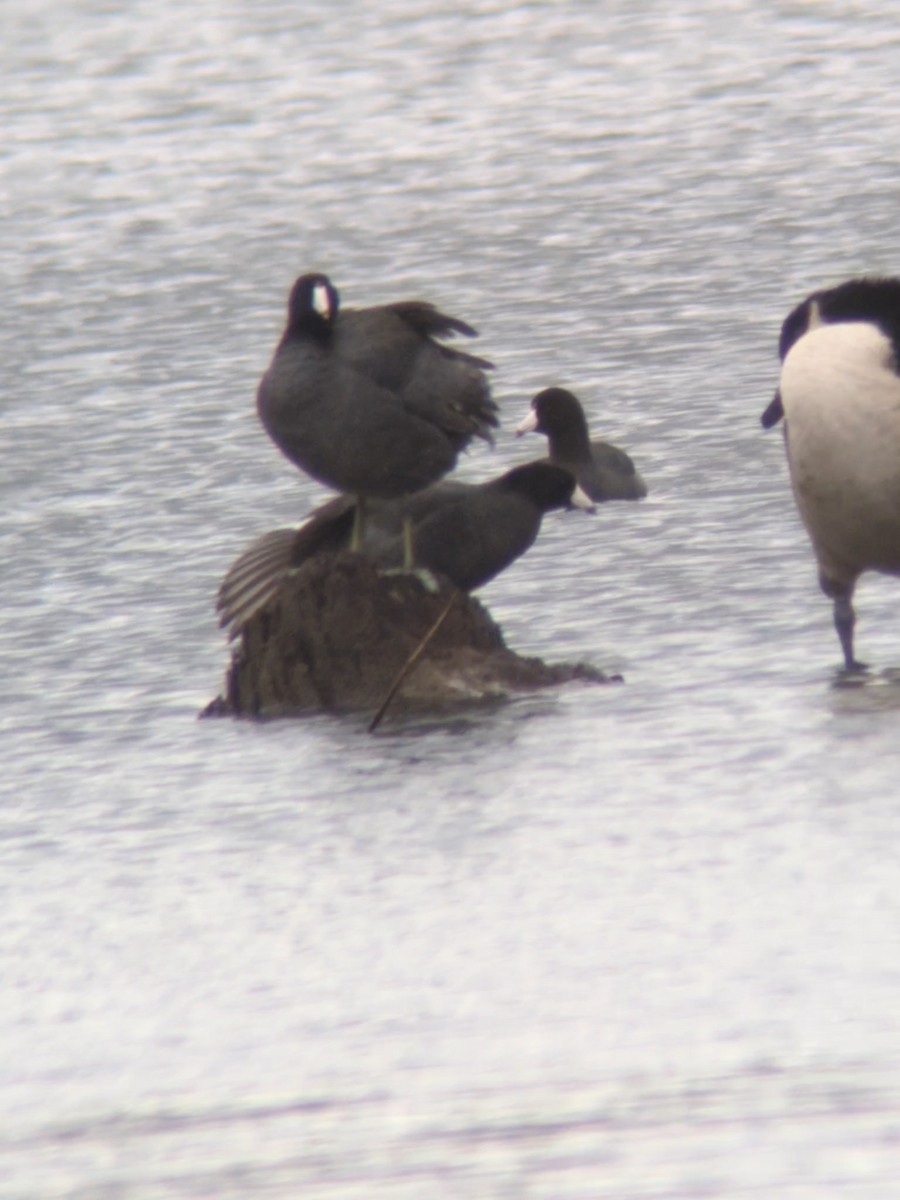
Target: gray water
[[635, 941]]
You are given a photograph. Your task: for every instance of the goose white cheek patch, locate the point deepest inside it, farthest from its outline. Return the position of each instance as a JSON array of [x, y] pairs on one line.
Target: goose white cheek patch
[[834, 353]]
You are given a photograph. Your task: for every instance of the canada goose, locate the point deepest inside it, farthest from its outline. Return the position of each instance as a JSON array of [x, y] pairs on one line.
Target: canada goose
[[839, 394]]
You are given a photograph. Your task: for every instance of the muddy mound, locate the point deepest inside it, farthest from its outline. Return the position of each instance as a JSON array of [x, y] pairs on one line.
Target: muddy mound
[[340, 631]]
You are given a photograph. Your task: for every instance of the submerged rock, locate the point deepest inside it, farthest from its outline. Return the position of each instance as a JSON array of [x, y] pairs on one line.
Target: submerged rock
[[340, 631]]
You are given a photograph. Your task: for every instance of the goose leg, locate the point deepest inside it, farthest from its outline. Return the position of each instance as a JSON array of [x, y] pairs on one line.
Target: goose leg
[[844, 618]]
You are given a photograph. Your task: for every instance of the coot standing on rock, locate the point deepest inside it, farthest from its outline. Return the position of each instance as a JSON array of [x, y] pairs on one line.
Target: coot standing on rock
[[466, 532], [839, 393], [366, 400], [603, 471]]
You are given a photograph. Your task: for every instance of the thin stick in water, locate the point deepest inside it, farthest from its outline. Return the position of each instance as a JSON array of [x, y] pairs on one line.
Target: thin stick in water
[[410, 663]]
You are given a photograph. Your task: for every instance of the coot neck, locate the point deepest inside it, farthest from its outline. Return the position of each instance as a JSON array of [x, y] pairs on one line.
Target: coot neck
[[309, 326], [571, 443]]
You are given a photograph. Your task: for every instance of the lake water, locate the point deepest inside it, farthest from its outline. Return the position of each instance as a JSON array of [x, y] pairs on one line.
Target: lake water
[[625, 942]]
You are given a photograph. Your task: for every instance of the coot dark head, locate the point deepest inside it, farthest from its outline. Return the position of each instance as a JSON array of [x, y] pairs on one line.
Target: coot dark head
[[367, 400], [312, 305], [466, 532], [839, 393], [603, 471]]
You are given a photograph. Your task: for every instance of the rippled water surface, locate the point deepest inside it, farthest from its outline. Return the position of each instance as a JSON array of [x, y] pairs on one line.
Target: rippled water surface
[[636, 941]]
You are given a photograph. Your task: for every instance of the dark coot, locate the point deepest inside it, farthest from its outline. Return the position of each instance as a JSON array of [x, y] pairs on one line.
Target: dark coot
[[839, 394], [603, 471], [366, 400], [466, 532]]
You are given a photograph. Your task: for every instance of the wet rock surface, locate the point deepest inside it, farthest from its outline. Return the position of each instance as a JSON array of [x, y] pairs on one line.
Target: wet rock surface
[[340, 631]]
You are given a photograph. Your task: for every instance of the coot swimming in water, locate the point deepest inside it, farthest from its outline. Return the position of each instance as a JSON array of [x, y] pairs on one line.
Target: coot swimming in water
[[366, 400], [603, 471], [839, 394], [466, 532]]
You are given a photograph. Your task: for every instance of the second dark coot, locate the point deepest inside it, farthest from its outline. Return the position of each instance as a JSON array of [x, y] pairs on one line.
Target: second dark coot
[[466, 532], [603, 471], [839, 395]]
